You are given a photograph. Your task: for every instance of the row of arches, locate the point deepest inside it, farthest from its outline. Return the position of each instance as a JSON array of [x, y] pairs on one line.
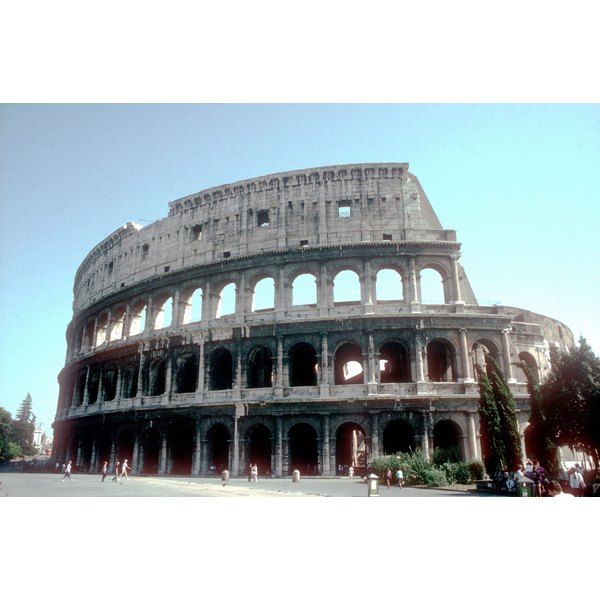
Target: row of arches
[[173, 451], [183, 372], [190, 305]]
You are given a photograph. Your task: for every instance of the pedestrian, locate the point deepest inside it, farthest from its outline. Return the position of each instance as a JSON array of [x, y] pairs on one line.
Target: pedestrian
[[104, 470], [400, 477], [388, 477], [555, 490], [255, 473], [576, 482], [124, 468], [116, 475], [250, 472], [68, 471]]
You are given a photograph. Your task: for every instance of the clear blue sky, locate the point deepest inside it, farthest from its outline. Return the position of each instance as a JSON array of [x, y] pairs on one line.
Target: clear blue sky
[[519, 183]]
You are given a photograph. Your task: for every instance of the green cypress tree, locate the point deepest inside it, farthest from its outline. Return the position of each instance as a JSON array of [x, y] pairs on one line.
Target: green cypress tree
[[492, 444], [507, 411]]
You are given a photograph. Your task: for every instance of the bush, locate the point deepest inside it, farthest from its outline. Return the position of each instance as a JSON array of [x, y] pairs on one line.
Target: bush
[[476, 469], [446, 455]]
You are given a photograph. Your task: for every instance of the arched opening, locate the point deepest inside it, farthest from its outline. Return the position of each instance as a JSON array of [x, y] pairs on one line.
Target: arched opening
[[181, 447], [347, 365], [125, 446], [118, 321], [480, 351], [164, 315], [302, 365], [263, 297], [350, 449], [304, 290], [260, 368], [398, 436], [101, 329], [93, 387], [441, 361], [220, 365], [388, 285], [346, 287], [85, 459], [192, 311], [394, 363], [104, 447], [157, 377], [304, 452], [446, 436], [72, 450], [226, 302], [80, 391], [89, 336], [151, 451], [138, 319], [218, 448], [531, 363], [432, 287], [109, 384], [129, 380], [259, 452], [186, 373]]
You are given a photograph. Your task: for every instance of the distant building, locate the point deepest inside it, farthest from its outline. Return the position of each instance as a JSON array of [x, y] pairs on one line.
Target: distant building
[[287, 321]]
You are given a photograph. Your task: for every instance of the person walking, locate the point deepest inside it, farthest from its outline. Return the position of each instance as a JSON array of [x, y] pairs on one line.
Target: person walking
[[388, 477], [255, 473], [104, 470], [576, 482], [400, 477], [250, 472], [68, 471], [116, 475], [124, 468]]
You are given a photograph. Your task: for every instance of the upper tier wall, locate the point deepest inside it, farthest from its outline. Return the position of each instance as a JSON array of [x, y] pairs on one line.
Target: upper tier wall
[[330, 205]]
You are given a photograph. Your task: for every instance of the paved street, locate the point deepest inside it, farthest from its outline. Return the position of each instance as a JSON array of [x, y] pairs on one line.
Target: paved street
[[85, 486]]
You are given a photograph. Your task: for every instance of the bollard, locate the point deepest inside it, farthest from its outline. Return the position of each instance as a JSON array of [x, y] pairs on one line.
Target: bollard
[[225, 476], [351, 472], [295, 476], [373, 483]]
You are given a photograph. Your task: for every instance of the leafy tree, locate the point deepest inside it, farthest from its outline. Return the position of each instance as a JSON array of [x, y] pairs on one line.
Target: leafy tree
[[8, 448], [571, 399]]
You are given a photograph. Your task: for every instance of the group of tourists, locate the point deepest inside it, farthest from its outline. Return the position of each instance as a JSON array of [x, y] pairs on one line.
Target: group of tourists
[[253, 472], [120, 471], [571, 481]]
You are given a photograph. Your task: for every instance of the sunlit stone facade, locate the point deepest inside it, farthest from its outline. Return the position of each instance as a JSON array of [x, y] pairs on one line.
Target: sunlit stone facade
[[284, 321]]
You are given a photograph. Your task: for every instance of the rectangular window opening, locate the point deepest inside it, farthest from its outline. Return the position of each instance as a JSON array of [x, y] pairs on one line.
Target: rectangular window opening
[[344, 210], [262, 218]]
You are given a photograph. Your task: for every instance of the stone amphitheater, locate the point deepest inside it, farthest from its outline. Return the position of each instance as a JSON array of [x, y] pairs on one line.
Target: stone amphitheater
[[305, 320]]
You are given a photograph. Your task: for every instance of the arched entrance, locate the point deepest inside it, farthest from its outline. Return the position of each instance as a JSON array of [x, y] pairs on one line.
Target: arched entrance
[[220, 375], [104, 445], [350, 449], [151, 451], [441, 362], [303, 365], [260, 368], [446, 435], [125, 446], [259, 450], [181, 447], [186, 373], [348, 367], [303, 449], [218, 449], [398, 436], [394, 363]]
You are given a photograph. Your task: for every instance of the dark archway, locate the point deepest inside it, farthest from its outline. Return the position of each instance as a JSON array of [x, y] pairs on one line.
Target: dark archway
[[259, 452], [398, 436], [531, 363], [350, 448], [394, 363], [441, 364], [129, 380], [260, 368], [109, 383], [348, 365], [302, 365], [186, 373], [104, 447], [447, 435], [85, 462], [157, 377], [220, 370], [125, 446], [151, 446], [218, 448], [93, 386], [181, 447], [304, 452]]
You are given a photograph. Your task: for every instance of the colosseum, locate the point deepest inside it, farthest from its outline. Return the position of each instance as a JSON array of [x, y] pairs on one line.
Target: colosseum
[[283, 321]]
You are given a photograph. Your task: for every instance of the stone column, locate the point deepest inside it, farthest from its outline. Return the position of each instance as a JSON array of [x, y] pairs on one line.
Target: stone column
[[326, 456], [506, 352], [235, 463], [168, 374], [86, 389], [472, 438], [162, 458], [100, 396], [136, 453], [119, 384], [426, 432], [367, 288], [419, 357], [93, 466], [140, 382], [201, 368], [176, 317], [279, 384], [204, 466], [281, 303], [455, 280], [466, 364], [241, 308], [149, 324], [415, 300], [113, 456], [94, 338], [324, 366], [197, 457], [374, 437], [324, 301], [107, 337], [278, 446]]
